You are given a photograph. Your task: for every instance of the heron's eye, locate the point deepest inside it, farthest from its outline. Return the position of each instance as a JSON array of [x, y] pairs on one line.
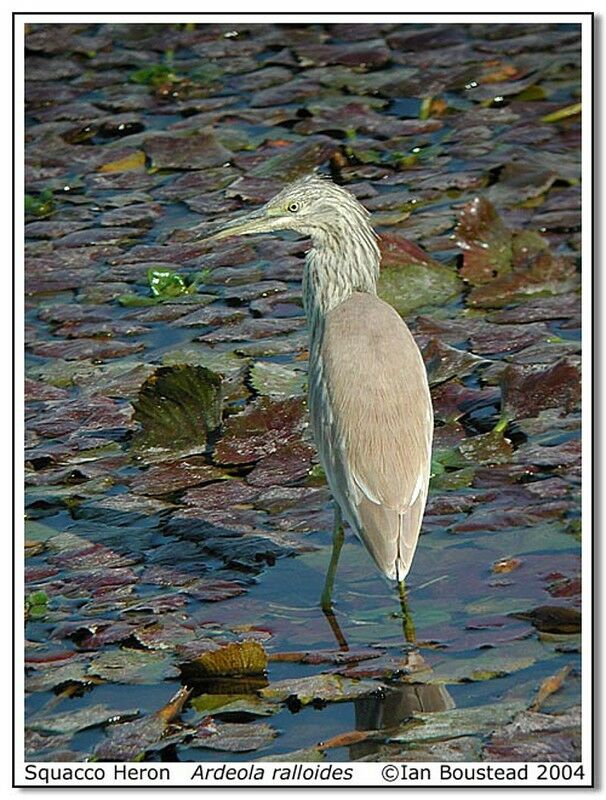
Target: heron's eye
[[293, 207]]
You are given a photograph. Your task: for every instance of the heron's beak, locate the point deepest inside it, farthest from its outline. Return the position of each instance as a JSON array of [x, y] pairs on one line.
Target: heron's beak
[[259, 221]]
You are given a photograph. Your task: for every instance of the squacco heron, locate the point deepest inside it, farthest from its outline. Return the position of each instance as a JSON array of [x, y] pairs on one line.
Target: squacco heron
[[369, 400]]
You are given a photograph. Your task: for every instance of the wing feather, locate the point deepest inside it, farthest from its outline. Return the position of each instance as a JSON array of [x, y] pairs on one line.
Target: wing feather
[[371, 411]]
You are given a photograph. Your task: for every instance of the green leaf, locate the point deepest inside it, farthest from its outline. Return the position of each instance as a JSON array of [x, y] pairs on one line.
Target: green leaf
[[234, 659], [177, 407], [38, 598], [166, 283], [153, 75], [41, 206], [563, 113], [413, 286]]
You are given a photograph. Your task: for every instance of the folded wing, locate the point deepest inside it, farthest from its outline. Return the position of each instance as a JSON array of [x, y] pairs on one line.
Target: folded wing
[[372, 415]]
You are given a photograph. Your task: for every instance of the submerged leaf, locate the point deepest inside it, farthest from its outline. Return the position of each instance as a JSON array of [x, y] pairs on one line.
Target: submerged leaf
[[218, 704]]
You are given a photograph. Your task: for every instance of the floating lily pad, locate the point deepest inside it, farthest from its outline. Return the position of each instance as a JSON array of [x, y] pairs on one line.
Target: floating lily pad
[[484, 667], [233, 737], [196, 151], [264, 426], [173, 476], [133, 666], [444, 362], [553, 619], [411, 279], [177, 408], [133, 161], [219, 704], [457, 722], [308, 754], [73, 721], [277, 381], [529, 390], [131, 740], [487, 448], [506, 266], [531, 736], [325, 687], [413, 286], [235, 659]]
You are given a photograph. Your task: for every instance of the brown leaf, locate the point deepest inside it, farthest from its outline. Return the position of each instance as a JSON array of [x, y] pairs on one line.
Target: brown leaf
[[529, 390], [549, 686], [260, 430], [485, 241], [346, 739], [552, 619], [506, 565]]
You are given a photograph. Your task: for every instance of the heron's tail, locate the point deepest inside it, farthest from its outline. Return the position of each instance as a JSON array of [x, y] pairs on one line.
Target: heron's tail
[[391, 536], [408, 536]]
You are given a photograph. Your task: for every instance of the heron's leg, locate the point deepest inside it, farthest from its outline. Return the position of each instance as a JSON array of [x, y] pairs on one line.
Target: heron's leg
[[407, 623], [338, 537]]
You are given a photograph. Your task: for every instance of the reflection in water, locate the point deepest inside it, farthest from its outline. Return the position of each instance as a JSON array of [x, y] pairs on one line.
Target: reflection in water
[[386, 711], [389, 710]]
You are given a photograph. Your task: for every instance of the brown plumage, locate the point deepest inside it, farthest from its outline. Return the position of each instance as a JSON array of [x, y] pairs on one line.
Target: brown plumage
[[368, 394], [375, 439]]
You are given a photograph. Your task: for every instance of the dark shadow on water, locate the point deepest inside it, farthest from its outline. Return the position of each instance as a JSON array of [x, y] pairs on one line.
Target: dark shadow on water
[[387, 711]]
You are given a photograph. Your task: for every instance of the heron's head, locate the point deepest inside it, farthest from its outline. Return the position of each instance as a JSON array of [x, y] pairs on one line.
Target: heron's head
[[313, 206]]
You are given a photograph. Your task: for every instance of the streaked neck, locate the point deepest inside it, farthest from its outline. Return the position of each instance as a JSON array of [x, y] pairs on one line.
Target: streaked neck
[[342, 261]]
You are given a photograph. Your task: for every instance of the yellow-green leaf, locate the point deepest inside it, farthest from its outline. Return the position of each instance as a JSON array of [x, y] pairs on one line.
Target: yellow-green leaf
[[238, 658], [562, 113], [133, 161]]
